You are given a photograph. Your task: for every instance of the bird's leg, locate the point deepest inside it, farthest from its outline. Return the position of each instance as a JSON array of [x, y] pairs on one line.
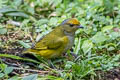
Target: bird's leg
[[73, 54], [51, 64]]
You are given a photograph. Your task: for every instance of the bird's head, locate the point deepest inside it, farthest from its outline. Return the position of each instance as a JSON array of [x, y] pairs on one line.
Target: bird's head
[[71, 25]]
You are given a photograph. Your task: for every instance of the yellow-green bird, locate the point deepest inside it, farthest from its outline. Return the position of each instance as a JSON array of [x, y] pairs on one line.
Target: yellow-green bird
[[57, 41]]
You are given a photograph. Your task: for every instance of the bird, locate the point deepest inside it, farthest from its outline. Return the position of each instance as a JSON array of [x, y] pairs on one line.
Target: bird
[[56, 42]]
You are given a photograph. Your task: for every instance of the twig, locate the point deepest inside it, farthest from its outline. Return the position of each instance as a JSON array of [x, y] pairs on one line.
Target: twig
[[31, 70]]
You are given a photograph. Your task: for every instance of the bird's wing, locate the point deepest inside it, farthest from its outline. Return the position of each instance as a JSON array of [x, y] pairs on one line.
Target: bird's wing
[[53, 43]]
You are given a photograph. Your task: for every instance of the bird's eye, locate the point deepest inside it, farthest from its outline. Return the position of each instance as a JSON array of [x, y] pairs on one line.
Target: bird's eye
[[71, 25]]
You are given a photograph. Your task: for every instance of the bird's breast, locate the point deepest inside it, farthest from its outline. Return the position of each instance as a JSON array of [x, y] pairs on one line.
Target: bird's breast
[[70, 42]]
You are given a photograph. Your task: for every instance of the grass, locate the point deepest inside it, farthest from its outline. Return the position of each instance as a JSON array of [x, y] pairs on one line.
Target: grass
[[97, 45]]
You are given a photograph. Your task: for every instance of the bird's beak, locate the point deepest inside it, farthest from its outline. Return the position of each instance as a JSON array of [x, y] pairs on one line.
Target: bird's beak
[[80, 26]]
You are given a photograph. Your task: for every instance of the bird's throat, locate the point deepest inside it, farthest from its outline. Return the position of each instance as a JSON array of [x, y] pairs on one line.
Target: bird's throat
[[69, 33]]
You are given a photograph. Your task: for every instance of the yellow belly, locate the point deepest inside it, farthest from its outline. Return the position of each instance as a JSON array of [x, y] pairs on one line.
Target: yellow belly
[[48, 53]]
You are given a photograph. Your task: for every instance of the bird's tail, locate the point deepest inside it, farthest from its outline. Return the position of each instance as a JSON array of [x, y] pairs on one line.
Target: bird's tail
[[29, 51]]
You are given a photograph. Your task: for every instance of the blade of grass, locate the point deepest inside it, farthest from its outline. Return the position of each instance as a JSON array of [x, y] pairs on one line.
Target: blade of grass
[[18, 58]]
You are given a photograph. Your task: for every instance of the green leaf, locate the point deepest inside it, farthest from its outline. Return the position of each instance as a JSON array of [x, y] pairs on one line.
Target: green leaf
[[24, 44], [1, 75], [42, 21], [53, 21], [49, 77], [21, 14], [3, 30], [109, 4], [87, 46], [69, 65], [3, 66], [18, 58], [77, 47], [99, 37], [106, 28], [14, 78], [56, 2], [17, 3], [6, 10], [30, 77], [111, 48], [115, 35], [8, 70]]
